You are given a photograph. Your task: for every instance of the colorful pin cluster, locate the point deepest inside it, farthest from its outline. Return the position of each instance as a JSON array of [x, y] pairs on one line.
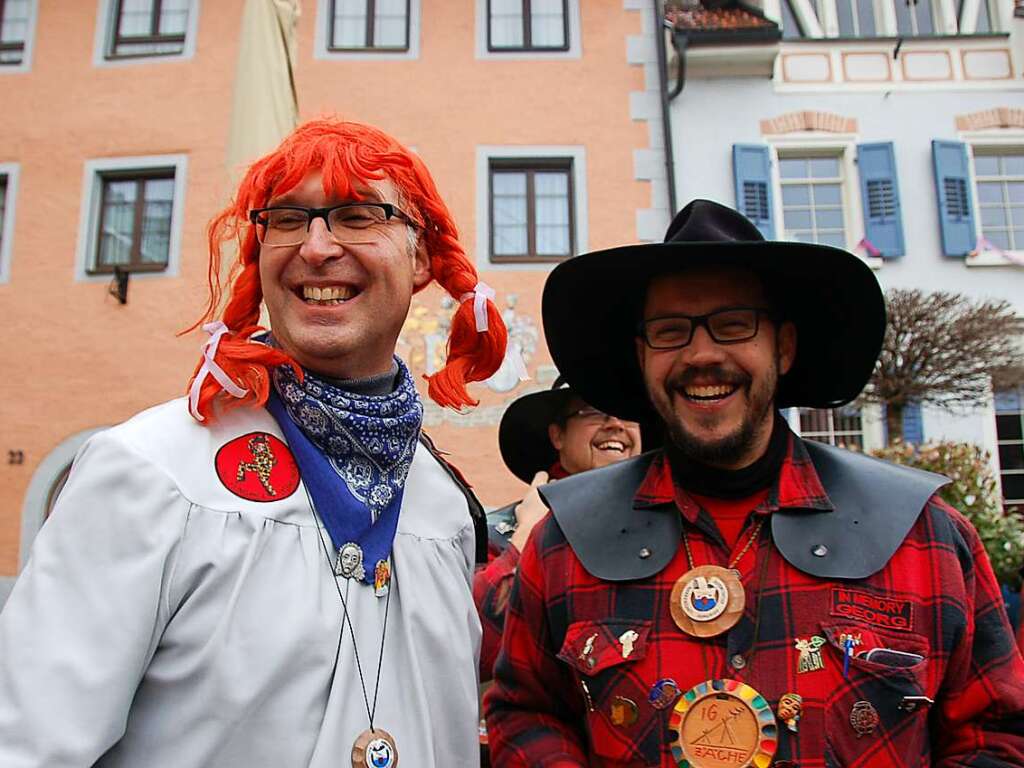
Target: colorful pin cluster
[[762, 752]]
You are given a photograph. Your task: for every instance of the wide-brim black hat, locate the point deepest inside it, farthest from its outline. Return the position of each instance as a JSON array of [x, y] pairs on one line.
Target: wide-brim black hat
[[592, 306], [523, 433]]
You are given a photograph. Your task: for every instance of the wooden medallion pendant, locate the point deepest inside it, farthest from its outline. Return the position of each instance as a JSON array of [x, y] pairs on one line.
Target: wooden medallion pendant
[[707, 601], [375, 749]]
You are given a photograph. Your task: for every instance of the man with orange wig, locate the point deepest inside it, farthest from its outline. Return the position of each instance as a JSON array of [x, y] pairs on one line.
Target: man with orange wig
[[275, 570]]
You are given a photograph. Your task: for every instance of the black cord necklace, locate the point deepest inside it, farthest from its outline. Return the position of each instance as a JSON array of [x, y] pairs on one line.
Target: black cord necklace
[[374, 747]]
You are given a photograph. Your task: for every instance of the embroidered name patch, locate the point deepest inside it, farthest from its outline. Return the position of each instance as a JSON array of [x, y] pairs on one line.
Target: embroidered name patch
[[884, 612], [257, 467]]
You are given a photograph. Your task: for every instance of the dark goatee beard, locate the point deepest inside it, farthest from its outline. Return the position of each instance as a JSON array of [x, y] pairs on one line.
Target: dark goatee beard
[[725, 451]]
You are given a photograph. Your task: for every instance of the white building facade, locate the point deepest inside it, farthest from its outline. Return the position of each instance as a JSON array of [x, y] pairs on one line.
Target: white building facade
[[893, 128]]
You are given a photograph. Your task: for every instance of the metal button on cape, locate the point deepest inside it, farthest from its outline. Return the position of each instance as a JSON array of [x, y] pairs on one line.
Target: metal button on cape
[[820, 550]]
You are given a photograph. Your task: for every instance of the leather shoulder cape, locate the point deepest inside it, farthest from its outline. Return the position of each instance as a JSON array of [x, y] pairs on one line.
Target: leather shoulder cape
[[876, 503]]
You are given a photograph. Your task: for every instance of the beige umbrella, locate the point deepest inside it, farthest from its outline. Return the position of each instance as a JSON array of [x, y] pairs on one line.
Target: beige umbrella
[[265, 106]]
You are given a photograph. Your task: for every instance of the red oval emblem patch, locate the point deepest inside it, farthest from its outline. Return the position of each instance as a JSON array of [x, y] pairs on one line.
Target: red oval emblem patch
[[257, 467]]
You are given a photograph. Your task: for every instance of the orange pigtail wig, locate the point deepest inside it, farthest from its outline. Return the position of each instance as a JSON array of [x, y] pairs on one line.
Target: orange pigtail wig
[[347, 155]]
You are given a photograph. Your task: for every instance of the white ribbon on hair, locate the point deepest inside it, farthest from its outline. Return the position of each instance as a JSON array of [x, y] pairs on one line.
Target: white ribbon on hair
[[209, 367], [480, 294]]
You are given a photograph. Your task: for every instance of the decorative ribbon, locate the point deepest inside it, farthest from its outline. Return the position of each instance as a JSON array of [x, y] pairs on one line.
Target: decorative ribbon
[[868, 246], [209, 367], [480, 294], [984, 244]]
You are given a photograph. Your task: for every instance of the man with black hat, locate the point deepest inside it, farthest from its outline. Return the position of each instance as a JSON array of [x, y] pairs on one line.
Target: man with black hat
[[744, 597], [543, 436]]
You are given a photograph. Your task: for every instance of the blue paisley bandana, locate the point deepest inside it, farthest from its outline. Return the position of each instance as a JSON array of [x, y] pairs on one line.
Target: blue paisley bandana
[[367, 441]]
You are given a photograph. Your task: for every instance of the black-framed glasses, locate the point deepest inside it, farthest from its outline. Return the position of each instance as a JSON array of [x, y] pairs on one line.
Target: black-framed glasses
[[587, 413], [730, 325], [281, 225]]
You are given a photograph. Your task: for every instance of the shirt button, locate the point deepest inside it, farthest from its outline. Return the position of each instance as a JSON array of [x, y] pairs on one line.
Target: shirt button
[[819, 550], [644, 553], [738, 662]]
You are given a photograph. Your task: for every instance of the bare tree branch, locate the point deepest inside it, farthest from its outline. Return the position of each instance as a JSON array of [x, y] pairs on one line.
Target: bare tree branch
[[944, 349]]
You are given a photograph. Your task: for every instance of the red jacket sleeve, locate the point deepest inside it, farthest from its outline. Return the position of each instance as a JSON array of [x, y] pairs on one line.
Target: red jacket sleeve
[[981, 709], [492, 584], [534, 710]]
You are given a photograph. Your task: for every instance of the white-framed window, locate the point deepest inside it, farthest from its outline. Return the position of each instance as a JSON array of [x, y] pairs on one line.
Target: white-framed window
[[367, 29], [999, 188], [17, 34], [533, 29], [531, 206], [134, 31], [850, 426], [883, 18], [817, 188], [8, 197], [979, 16], [813, 204], [1009, 406], [843, 427], [132, 210], [990, 193]]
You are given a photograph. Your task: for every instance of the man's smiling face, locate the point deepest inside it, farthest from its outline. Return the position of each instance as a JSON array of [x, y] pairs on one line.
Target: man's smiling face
[[336, 308], [588, 439], [716, 399]]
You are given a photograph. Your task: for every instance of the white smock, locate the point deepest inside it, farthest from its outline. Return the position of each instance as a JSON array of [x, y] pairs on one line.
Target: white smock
[[163, 621]]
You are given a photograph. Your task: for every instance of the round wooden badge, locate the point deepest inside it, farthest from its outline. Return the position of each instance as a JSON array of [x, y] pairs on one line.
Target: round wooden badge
[[707, 601], [375, 749], [723, 724]]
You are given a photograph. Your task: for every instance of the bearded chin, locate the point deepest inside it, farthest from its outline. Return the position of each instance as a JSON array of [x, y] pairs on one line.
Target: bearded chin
[[725, 450], [729, 449]]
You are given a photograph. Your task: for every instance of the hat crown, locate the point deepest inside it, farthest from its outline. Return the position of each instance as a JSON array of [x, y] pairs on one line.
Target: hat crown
[[705, 221]]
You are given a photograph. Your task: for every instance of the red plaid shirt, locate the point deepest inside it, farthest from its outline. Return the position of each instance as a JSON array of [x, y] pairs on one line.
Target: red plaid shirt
[[936, 597]]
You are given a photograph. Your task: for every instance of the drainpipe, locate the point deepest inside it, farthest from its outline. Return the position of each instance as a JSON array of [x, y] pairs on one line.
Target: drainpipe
[[666, 120]]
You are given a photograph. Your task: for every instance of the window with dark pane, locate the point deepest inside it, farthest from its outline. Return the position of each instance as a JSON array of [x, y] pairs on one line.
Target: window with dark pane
[[1010, 440], [914, 17], [532, 217], [527, 25], [812, 199], [149, 27], [835, 426], [370, 25], [135, 221], [790, 25], [987, 20], [999, 179], [856, 18], [14, 18]]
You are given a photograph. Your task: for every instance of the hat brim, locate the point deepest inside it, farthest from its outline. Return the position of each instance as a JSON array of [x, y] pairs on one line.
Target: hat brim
[[592, 304]]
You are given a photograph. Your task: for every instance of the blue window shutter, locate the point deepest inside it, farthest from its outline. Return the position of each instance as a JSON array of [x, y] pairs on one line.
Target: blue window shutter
[[913, 424], [953, 187], [751, 170], [880, 197]]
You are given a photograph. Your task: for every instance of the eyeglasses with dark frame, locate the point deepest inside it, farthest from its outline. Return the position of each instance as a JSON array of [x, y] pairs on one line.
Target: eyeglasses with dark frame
[[730, 325], [284, 225], [587, 413]]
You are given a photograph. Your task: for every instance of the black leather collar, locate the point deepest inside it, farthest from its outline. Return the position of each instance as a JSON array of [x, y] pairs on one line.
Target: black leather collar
[[875, 504]]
